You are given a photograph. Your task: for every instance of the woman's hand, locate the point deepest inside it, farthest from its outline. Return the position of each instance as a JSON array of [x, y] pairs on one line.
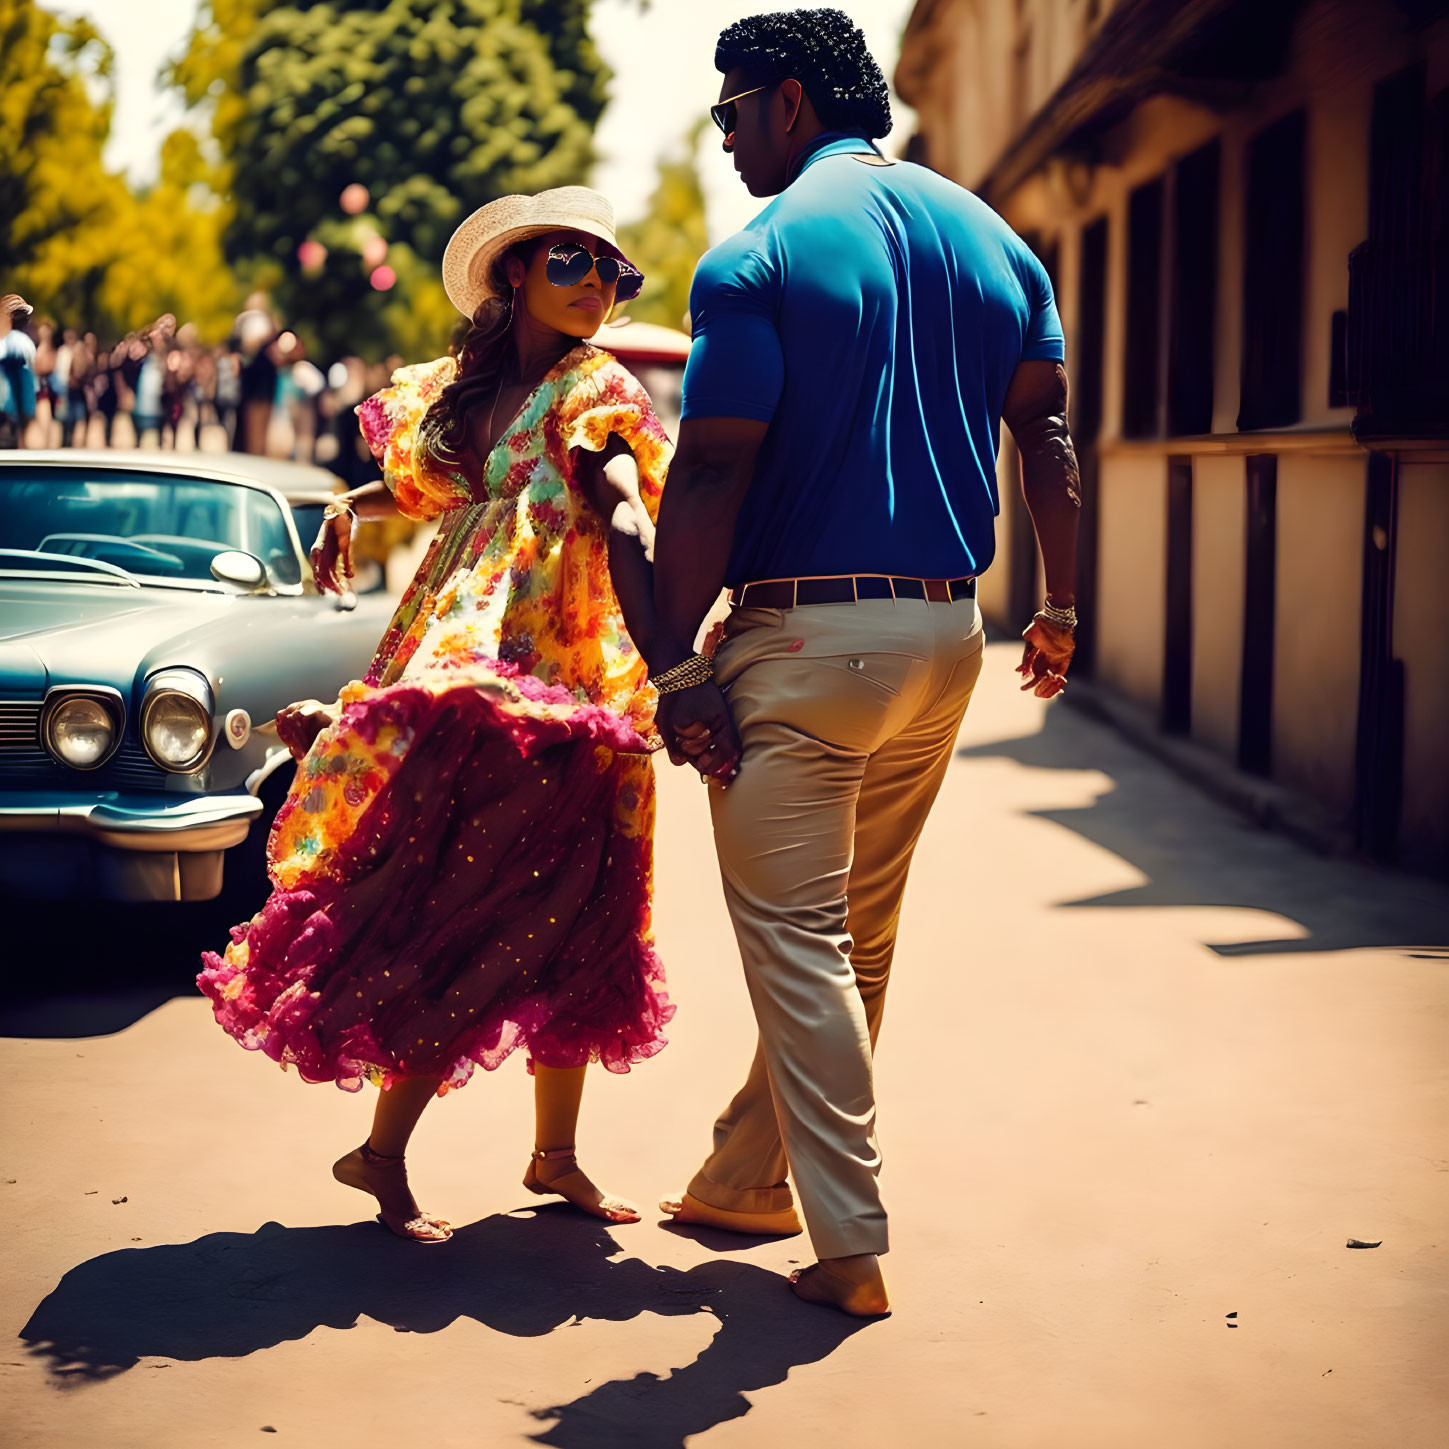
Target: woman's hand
[[331, 554], [299, 724]]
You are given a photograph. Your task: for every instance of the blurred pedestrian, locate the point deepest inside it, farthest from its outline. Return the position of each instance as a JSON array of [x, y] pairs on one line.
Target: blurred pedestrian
[[17, 371], [464, 864], [46, 352], [227, 392], [856, 349], [148, 412], [256, 334], [80, 386]]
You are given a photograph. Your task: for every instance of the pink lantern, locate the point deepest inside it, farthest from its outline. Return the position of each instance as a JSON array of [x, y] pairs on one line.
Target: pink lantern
[[383, 278], [374, 251], [354, 198], [311, 254]]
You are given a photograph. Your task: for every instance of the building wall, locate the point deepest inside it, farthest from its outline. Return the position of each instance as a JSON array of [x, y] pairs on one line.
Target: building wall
[[1219, 523], [1132, 562], [992, 587], [1318, 625], [1422, 643], [991, 66]]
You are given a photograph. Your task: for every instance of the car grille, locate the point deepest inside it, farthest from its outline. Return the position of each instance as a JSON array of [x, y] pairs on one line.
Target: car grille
[[24, 760]]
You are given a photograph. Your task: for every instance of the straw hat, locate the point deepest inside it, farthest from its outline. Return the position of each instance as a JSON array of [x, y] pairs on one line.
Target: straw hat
[[13, 302], [492, 229]]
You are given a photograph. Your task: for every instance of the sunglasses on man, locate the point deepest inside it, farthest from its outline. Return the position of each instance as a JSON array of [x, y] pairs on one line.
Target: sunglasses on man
[[726, 116], [569, 264]]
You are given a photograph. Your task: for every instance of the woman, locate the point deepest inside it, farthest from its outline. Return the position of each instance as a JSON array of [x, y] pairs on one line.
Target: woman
[[463, 865]]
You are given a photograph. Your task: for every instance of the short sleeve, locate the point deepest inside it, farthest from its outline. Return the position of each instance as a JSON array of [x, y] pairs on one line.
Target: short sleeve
[[736, 365], [608, 399], [1043, 341], [390, 423]]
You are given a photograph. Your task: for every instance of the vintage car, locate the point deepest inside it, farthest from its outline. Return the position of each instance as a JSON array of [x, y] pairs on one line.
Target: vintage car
[[156, 611]]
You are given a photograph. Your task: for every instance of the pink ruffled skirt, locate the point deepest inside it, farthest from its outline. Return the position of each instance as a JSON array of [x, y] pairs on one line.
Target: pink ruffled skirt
[[493, 895]]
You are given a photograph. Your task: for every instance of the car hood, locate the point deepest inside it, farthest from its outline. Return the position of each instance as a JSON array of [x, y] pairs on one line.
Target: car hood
[[63, 633]]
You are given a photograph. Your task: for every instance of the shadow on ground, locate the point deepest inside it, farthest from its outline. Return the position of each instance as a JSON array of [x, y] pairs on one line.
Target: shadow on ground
[[231, 1294], [99, 967], [1195, 852]]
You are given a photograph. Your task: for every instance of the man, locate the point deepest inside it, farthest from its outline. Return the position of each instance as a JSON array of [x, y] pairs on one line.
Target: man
[[17, 371], [855, 350]]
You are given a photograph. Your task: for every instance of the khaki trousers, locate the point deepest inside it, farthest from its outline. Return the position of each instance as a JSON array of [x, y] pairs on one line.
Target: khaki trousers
[[848, 714]]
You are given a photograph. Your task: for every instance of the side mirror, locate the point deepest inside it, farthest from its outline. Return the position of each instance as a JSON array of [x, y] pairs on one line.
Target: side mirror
[[232, 566]]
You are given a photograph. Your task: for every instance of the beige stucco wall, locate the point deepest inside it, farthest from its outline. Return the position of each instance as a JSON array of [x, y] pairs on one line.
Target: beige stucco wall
[[1131, 574], [1219, 525], [1318, 625], [1422, 642], [992, 590]]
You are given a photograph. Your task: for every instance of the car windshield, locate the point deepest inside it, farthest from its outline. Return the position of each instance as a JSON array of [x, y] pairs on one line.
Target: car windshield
[[150, 524]]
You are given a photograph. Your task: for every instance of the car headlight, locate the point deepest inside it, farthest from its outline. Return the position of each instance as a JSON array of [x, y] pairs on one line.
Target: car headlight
[[81, 730], [176, 726]]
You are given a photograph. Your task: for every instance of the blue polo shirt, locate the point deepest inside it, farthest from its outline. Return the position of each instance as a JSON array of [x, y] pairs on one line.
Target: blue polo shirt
[[873, 315]]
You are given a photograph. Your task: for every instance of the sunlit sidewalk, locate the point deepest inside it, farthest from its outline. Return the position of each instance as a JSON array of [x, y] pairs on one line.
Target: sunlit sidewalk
[[1145, 1071]]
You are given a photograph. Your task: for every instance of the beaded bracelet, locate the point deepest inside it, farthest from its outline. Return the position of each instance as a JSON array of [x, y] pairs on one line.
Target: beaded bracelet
[[697, 669]]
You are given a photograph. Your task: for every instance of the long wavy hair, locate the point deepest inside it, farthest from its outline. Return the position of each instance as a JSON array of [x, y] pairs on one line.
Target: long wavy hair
[[481, 356]]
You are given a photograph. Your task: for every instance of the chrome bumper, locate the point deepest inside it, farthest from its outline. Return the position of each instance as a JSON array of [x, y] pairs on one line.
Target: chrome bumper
[[186, 823]]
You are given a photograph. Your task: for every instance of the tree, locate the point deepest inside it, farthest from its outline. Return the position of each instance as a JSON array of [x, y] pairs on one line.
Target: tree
[[667, 242], [51, 129], [433, 106], [74, 238]]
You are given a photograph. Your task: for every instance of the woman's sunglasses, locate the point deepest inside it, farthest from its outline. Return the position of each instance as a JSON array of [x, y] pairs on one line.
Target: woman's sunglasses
[[726, 115], [568, 265]]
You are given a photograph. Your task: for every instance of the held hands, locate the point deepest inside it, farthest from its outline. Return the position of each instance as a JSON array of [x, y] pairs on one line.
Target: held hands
[[1049, 649], [331, 554], [698, 730], [299, 724]]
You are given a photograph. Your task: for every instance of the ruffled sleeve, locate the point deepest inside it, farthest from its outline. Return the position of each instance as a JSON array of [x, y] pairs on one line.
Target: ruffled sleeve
[[608, 398], [390, 422]]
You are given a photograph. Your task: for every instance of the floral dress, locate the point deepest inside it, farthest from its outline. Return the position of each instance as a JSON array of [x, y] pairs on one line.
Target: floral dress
[[463, 865]]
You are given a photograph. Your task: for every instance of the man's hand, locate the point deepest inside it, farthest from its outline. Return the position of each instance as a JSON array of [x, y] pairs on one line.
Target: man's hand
[[1049, 650], [699, 730], [299, 724], [331, 554]]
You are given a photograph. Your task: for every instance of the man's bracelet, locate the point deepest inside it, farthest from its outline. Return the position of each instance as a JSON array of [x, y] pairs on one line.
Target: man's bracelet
[[1062, 618], [697, 669]]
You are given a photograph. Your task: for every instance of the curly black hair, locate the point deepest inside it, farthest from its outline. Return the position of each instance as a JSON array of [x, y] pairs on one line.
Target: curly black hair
[[825, 51]]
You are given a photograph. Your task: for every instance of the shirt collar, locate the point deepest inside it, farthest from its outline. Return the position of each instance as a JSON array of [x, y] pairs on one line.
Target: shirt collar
[[832, 143]]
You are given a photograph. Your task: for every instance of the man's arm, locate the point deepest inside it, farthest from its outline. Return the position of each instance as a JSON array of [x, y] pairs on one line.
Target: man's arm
[[708, 479], [1035, 410]]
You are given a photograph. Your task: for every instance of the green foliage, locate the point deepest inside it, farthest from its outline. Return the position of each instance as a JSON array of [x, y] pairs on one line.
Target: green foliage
[[51, 129], [670, 238], [435, 106], [74, 239]]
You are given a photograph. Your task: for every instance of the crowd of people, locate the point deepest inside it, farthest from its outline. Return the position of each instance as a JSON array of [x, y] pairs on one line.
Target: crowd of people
[[258, 392]]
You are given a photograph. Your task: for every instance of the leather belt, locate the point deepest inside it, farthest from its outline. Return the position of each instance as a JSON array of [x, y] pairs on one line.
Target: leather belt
[[848, 589]]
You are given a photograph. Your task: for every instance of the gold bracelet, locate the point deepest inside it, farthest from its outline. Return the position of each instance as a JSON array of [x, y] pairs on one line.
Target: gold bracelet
[[697, 669]]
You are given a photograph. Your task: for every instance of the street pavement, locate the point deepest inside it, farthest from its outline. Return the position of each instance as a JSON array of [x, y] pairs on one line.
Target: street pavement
[[1146, 1070]]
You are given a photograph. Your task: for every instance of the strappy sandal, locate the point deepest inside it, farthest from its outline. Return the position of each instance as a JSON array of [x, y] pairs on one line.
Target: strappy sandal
[[610, 1209], [422, 1228]]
